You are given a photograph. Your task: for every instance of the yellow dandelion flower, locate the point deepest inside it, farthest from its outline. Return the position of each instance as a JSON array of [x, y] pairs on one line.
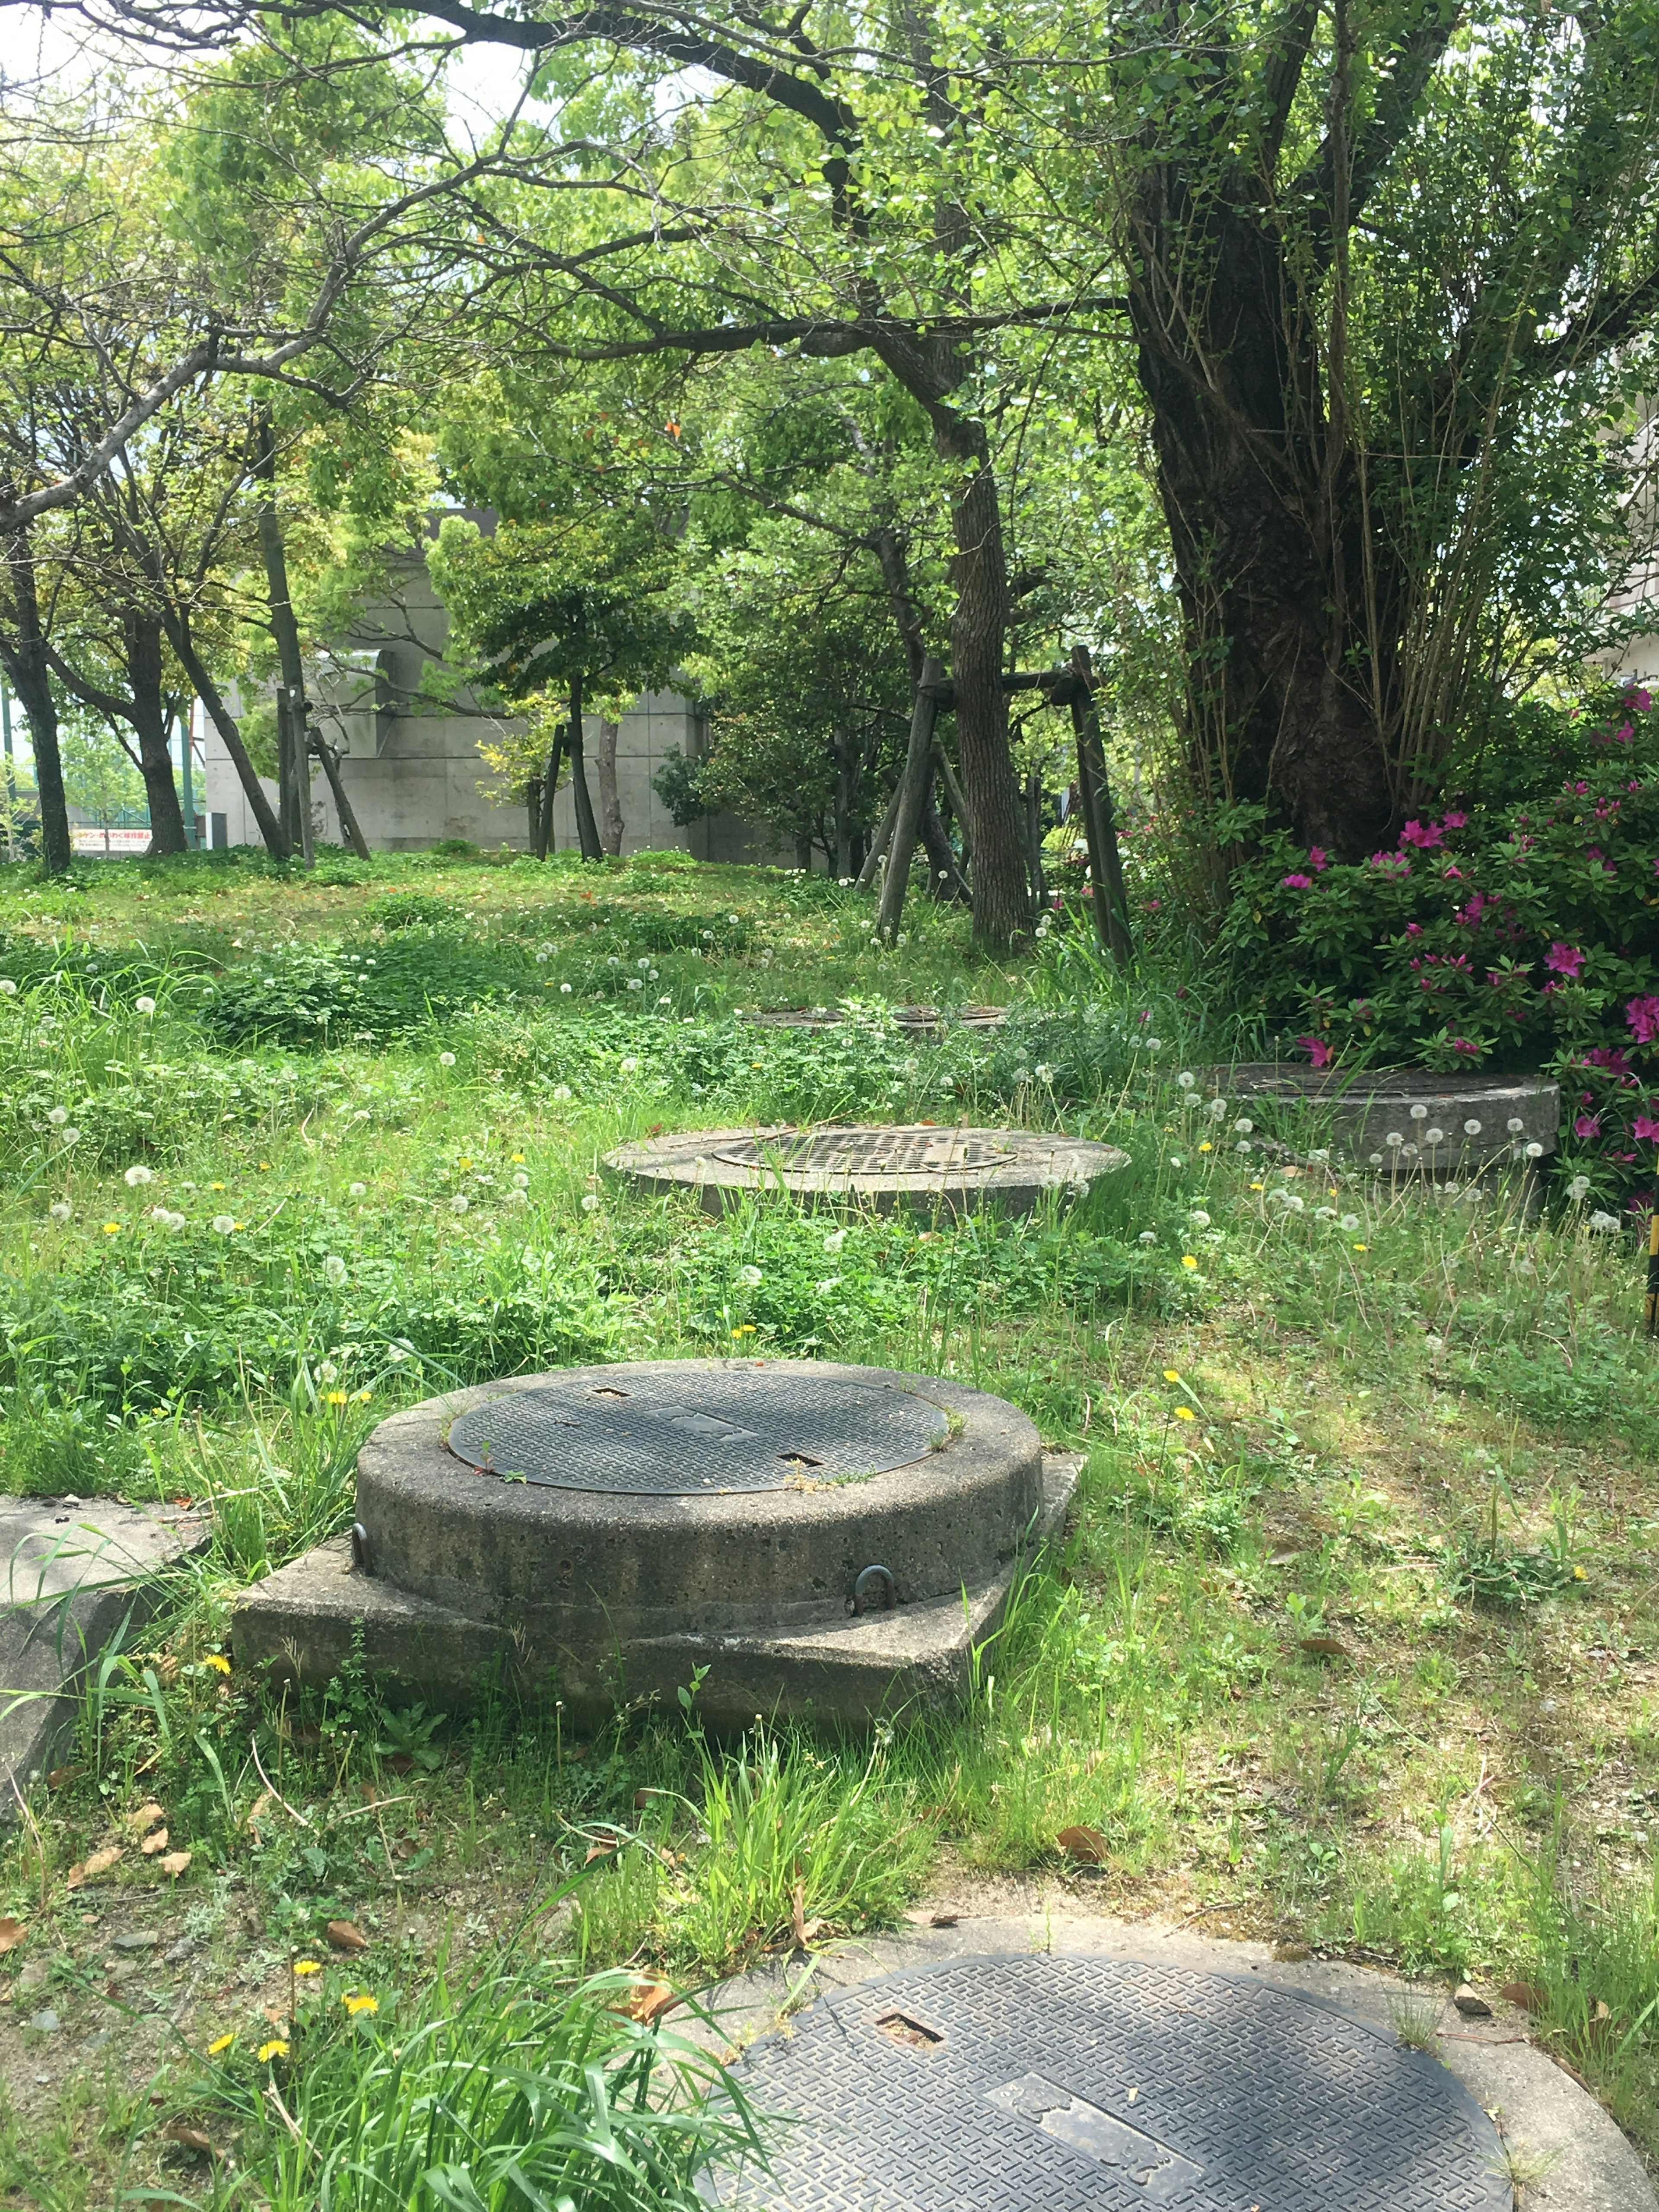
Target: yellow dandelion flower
[[276, 2048], [1255, 1186], [219, 1664], [1188, 1260], [223, 2044], [111, 1229], [1206, 1146], [1185, 1414], [362, 1397], [517, 1159], [307, 1966], [335, 1398], [463, 1162], [1579, 1575], [216, 1186], [1169, 1374], [1362, 1248], [264, 1167], [355, 2003]]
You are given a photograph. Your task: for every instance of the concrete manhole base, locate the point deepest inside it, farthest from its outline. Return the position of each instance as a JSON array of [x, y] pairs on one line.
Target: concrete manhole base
[[955, 1170], [1521, 2112], [801, 1538], [1402, 1122]]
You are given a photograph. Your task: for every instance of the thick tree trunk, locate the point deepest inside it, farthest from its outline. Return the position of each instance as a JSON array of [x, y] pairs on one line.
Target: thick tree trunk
[[550, 793], [587, 829], [611, 814], [27, 673], [140, 647]]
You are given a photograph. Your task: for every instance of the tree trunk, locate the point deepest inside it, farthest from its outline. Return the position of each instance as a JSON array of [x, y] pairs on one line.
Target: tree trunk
[[550, 793], [945, 879], [27, 673], [841, 746], [533, 803], [912, 795], [183, 646], [350, 829], [604, 763], [140, 648], [1110, 900], [587, 829], [286, 631]]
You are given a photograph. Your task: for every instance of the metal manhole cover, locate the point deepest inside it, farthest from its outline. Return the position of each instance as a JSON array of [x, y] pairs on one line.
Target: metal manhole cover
[[871, 1151], [609, 1428], [1045, 2084]]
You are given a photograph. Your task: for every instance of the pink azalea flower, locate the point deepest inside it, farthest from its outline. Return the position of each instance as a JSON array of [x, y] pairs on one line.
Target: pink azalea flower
[[1296, 883], [1454, 821], [1647, 1129], [1588, 1125], [1642, 1017], [1463, 1046], [1316, 1049], [1564, 960], [1426, 834], [1415, 929], [1318, 859], [1610, 1057], [1638, 702]]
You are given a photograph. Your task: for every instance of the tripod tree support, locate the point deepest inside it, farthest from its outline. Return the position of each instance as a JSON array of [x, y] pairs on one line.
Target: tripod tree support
[[911, 798], [1110, 902]]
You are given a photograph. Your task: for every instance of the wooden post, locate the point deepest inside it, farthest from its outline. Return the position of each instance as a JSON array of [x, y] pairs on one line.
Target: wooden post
[[1111, 903], [912, 796], [343, 807], [878, 843], [953, 791], [286, 631]]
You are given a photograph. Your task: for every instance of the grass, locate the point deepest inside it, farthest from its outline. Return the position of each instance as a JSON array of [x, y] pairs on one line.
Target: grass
[[1349, 1642]]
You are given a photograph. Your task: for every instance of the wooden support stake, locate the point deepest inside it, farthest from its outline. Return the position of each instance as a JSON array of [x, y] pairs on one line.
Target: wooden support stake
[[343, 807], [1111, 903], [911, 798]]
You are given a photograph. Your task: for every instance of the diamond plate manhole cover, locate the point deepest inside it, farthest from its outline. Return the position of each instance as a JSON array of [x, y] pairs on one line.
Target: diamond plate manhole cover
[[865, 1151], [607, 1429], [1043, 2084]]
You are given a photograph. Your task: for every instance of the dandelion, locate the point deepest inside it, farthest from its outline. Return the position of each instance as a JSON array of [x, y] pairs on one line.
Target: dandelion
[[652, 977], [355, 2003], [1579, 1187], [562, 1090], [750, 1276], [1218, 1107], [328, 1372], [1185, 1079], [71, 1136], [134, 1176], [1044, 1071], [334, 1269], [1206, 1146], [1188, 1260], [276, 2048], [1348, 1224], [1242, 1145], [1471, 1128], [145, 1006], [60, 1212], [1320, 1158], [111, 1229], [1535, 1151], [634, 983], [1154, 1044], [1515, 1125], [630, 1066], [357, 1190], [223, 2043], [732, 918], [445, 1059], [520, 1180], [460, 1203], [1376, 1159], [564, 990], [835, 1240], [1393, 1140], [222, 1224], [1170, 1375], [1362, 1248], [643, 965], [1324, 1213], [335, 1398], [57, 1116], [1602, 1224], [1199, 1218], [589, 1202], [219, 1663], [1243, 1126], [1176, 1160], [665, 1000], [1148, 1237], [8, 988]]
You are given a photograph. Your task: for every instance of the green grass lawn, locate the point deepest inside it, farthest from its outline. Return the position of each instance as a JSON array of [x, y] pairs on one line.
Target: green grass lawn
[[1349, 1642]]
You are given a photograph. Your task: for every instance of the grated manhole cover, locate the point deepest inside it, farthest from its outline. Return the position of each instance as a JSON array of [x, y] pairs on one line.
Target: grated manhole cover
[[746, 1428], [865, 1151], [1044, 2084]]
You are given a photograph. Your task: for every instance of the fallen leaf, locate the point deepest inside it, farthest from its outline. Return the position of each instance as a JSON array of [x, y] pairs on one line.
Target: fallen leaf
[[157, 1841], [1325, 1647], [798, 1914], [192, 2138], [12, 1933], [649, 2000], [262, 1804], [1528, 1995], [346, 1935], [141, 1822], [1086, 1846], [598, 1852], [276, 2016], [944, 1919], [173, 1864], [90, 1868], [59, 1776], [642, 1798]]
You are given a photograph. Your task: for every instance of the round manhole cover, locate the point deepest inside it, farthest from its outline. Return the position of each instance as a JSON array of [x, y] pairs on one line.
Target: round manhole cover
[[865, 1152], [1044, 2084], [615, 1429]]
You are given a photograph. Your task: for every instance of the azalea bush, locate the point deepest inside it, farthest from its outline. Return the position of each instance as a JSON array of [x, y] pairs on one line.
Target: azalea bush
[[1517, 929]]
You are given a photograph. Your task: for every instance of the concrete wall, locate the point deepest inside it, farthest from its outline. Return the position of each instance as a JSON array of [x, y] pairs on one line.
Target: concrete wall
[[410, 762]]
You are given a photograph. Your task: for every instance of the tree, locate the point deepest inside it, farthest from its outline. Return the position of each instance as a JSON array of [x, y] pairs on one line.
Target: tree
[[99, 777], [1390, 271]]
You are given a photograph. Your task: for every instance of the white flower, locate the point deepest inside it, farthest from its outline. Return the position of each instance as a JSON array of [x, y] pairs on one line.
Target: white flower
[[1393, 1140], [1348, 1224], [1409, 1152], [1515, 1125], [750, 1276], [835, 1240], [1176, 1160], [541, 959], [57, 1116], [1324, 1213], [520, 1180], [652, 977], [145, 1006], [1277, 1196], [1296, 1205], [1419, 1113], [1603, 1225], [1243, 1126], [1154, 1044], [1045, 1070], [60, 1212], [1579, 1187], [134, 1176], [517, 1197], [589, 1202], [829, 1283], [460, 1203], [1320, 1158], [1434, 1136], [1218, 1107], [1199, 1219], [614, 961], [8, 988], [1148, 1237], [445, 1059], [642, 965], [562, 1090], [334, 1268], [1376, 1159], [396, 1354], [1185, 1079], [665, 1000], [71, 1136], [634, 983], [730, 917], [328, 1372], [357, 1190], [1535, 1151], [564, 990], [630, 1066], [1242, 1145], [1471, 1128], [222, 1224]]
